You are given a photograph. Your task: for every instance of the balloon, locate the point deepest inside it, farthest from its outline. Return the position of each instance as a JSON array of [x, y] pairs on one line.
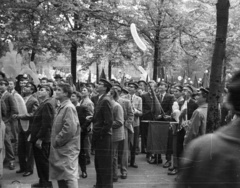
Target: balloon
[[136, 38]]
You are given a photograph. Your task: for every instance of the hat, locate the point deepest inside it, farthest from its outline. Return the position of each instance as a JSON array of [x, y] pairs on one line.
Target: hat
[[125, 91], [44, 78], [107, 83], [152, 81], [189, 88], [48, 88], [34, 86], [142, 82], [205, 90], [22, 77], [133, 84], [118, 85], [179, 87], [57, 76], [90, 84], [4, 81], [163, 83]]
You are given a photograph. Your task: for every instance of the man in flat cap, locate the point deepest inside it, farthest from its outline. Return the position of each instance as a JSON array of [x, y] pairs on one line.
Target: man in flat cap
[[197, 127], [102, 136], [142, 85], [11, 109], [128, 131], [25, 151]]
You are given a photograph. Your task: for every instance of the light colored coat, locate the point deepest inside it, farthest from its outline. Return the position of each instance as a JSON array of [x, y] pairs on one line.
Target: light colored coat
[[118, 119], [137, 109], [65, 143], [128, 113]]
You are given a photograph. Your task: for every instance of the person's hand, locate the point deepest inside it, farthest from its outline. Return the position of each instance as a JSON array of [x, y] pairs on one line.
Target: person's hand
[[38, 144]]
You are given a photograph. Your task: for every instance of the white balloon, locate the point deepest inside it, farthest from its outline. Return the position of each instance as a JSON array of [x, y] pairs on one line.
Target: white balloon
[[136, 38]]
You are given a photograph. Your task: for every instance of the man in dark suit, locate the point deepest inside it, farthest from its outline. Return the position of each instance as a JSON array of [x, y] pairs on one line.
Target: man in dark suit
[[25, 153], [166, 100], [42, 121], [102, 136], [147, 115], [11, 109]]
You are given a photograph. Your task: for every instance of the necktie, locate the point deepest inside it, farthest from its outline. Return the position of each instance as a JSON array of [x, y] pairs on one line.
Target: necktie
[[161, 98]]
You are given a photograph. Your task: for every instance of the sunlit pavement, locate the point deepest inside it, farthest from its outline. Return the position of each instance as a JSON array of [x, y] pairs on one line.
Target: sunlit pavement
[[145, 176]]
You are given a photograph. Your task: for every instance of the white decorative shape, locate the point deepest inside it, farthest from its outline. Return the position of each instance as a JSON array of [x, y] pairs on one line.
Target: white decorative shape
[[136, 37]]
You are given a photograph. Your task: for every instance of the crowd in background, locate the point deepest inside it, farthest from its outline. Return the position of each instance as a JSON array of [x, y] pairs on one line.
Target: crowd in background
[[60, 129]]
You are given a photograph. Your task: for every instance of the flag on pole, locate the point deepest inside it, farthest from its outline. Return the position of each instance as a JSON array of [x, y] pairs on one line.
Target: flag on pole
[[103, 75], [205, 80], [195, 83], [123, 80], [89, 77], [183, 78]]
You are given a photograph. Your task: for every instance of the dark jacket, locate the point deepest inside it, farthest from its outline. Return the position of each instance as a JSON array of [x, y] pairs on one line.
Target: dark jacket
[[42, 122], [167, 103], [103, 117], [212, 161], [146, 107]]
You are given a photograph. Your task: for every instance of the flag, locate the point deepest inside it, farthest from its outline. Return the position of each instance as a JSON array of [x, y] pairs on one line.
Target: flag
[[156, 107], [195, 83], [89, 77], [123, 80], [183, 78], [205, 80], [147, 79], [103, 75]]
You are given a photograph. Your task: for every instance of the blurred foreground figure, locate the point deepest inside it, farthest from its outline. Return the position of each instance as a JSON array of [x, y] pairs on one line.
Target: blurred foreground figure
[[213, 160]]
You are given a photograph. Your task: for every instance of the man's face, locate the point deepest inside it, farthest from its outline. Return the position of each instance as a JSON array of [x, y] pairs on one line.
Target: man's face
[[60, 94], [186, 92], [162, 88], [11, 85], [177, 93], [42, 93], [117, 89], [44, 82], [153, 86], [131, 89], [90, 88], [85, 92], [27, 89], [3, 87], [199, 98], [141, 85], [100, 87]]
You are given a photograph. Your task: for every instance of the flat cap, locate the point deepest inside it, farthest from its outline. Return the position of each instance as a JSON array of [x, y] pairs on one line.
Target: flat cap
[[107, 83], [189, 88], [133, 84]]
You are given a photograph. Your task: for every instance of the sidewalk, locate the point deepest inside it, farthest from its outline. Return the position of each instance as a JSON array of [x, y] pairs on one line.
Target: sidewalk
[[145, 176]]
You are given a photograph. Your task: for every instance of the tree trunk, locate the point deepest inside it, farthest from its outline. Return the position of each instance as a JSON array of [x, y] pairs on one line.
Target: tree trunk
[[109, 69], [216, 77], [156, 51], [97, 72], [74, 61]]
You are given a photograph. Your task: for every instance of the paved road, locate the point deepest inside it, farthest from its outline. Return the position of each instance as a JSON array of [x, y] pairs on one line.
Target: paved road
[[146, 176]]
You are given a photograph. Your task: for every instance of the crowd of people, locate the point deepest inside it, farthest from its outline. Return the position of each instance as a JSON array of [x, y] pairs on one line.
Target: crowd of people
[[60, 128]]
